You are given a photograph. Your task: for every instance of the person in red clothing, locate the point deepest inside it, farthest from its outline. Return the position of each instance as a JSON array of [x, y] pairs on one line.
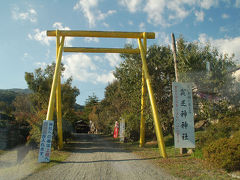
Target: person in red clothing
[[116, 129]]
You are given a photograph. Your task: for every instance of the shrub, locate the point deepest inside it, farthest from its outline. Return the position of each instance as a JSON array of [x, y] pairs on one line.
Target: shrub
[[35, 133], [223, 129], [35, 122], [212, 133], [224, 152], [132, 127], [198, 153]]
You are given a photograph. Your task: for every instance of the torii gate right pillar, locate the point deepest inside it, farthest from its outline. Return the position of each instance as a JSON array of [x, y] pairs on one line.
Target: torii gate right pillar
[[157, 124]]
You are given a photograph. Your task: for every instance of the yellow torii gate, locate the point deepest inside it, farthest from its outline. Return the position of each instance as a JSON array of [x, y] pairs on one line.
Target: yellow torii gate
[[146, 80]]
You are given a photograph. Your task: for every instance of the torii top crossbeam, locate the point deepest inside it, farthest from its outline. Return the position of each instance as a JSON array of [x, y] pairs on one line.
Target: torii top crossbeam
[[101, 34]]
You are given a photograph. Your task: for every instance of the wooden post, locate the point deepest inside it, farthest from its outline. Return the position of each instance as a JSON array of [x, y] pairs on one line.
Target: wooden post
[[174, 56], [182, 150]]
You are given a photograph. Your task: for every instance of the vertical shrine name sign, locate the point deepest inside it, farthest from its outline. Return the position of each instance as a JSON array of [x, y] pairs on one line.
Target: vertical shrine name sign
[[46, 141], [184, 136], [122, 129]]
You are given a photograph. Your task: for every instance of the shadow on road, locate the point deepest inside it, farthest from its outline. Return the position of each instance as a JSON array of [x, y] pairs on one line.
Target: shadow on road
[[100, 161], [91, 143]]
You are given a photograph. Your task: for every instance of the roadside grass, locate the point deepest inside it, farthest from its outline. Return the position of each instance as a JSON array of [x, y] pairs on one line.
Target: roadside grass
[[57, 156], [181, 166]]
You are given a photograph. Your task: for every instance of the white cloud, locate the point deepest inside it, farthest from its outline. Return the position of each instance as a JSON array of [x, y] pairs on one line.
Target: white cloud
[[142, 26], [163, 38], [68, 40], [82, 68], [155, 10], [102, 16], [86, 7], [41, 36], [225, 46], [25, 55], [90, 10], [207, 4], [227, 3], [228, 46], [58, 25], [225, 16], [132, 5], [178, 10], [131, 41], [113, 59], [203, 38], [223, 29], [41, 65], [130, 23], [237, 4], [105, 25], [47, 55], [91, 39], [210, 19], [29, 15], [199, 15], [98, 59], [167, 13], [106, 78]]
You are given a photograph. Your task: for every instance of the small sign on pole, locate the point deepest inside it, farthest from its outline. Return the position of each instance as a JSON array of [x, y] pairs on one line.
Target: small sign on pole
[[184, 136], [46, 141], [122, 129]]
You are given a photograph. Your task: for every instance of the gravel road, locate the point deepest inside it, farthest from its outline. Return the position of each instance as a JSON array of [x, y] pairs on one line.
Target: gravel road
[[95, 157]]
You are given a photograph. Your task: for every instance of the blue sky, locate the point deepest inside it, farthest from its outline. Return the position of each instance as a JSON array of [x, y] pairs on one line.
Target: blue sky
[[25, 46]]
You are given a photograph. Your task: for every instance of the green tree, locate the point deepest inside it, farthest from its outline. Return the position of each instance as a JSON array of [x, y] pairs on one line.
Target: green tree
[[123, 96], [40, 83], [218, 86], [6, 108], [111, 107], [90, 108], [129, 75]]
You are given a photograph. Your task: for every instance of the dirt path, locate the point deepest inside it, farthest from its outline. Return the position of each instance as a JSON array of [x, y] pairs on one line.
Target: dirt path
[[95, 157]]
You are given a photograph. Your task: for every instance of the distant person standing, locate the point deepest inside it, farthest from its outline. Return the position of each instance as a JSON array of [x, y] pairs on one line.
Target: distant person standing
[[92, 127], [116, 129]]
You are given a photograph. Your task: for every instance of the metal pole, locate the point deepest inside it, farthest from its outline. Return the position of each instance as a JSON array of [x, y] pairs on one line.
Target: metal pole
[[54, 83], [158, 129], [58, 98], [142, 122]]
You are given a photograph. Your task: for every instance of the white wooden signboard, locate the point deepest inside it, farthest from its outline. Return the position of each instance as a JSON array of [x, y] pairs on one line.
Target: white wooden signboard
[[46, 141], [122, 130], [184, 136]]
